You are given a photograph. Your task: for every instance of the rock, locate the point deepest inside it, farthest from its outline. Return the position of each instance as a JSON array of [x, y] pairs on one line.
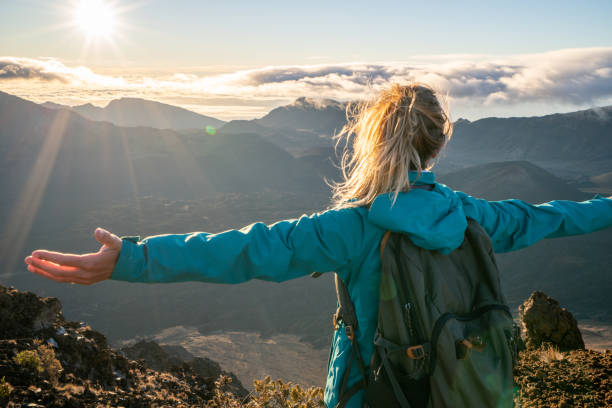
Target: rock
[[545, 321], [24, 312]]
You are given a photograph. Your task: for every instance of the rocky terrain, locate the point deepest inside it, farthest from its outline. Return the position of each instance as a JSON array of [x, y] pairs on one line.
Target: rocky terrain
[[550, 378], [555, 370], [46, 361]]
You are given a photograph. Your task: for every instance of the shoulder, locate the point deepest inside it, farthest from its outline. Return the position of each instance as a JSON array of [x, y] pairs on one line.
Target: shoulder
[[350, 221], [348, 227]]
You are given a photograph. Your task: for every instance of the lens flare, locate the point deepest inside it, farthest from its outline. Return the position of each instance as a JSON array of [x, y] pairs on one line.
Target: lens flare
[[211, 130]]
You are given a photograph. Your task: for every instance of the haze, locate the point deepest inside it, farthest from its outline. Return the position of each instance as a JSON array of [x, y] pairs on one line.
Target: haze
[[238, 60]]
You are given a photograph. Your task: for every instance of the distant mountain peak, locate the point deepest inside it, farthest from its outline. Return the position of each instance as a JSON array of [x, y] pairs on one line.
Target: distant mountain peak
[[129, 99], [316, 103], [53, 105], [128, 111], [89, 105], [603, 113], [462, 121]]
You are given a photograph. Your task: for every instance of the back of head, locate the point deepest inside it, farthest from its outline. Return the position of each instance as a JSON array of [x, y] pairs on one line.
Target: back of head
[[402, 129]]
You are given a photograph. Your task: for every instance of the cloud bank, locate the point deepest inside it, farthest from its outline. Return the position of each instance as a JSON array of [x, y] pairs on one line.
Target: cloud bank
[[569, 76]]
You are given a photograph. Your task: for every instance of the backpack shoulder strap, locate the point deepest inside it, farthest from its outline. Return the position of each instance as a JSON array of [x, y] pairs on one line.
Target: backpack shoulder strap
[[346, 314], [346, 309]]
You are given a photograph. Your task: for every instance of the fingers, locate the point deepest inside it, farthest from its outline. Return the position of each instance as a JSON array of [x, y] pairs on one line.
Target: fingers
[[107, 238], [62, 279], [59, 258], [64, 273], [55, 269]]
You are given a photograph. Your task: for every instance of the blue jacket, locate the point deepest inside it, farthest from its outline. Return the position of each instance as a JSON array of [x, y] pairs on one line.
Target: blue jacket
[[346, 241]]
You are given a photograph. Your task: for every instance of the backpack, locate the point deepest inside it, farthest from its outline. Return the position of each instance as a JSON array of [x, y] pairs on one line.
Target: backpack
[[445, 335]]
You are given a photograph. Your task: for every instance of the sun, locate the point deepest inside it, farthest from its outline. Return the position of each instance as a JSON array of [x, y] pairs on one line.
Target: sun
[[95, 17]]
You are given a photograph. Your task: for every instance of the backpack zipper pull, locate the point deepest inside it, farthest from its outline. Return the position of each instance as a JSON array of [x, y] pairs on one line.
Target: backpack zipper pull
[[408, 318]]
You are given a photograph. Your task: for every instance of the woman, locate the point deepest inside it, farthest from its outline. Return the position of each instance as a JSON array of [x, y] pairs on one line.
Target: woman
[[396, 138]]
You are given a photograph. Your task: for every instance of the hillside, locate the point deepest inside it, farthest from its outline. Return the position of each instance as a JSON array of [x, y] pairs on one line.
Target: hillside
[[48, 361], [512, 179], [142, 112], [568, 143]]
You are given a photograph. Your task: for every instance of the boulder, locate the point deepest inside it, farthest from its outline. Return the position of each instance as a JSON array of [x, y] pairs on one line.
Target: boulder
[[543, 320], [21, 313]]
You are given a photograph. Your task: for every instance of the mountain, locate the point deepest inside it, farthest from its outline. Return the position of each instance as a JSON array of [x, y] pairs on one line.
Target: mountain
[[575, 145], [320, 116], [142, 112], [292, 140], [99, 159], [568, 143], [303, 125], [512, 179]]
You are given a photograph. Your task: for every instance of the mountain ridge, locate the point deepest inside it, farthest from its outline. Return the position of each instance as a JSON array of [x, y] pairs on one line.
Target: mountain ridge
[[142, 112]]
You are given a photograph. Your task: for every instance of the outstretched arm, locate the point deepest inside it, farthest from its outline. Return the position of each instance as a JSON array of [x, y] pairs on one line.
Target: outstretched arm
[[515, 224], [282, 251]]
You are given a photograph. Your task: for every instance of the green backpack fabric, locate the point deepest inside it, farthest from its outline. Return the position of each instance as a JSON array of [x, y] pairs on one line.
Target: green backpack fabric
[[445, 335]]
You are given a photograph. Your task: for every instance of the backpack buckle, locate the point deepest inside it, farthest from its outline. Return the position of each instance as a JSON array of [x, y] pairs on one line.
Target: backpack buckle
[[350, 333], [416, 352], [336, 318]]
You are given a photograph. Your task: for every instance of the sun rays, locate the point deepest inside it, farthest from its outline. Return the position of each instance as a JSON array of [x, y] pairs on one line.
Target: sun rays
[[95, 18], [96, 27], [26, 207]]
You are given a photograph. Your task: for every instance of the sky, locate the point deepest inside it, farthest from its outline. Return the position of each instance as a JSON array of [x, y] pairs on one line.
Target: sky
[[239, 59]]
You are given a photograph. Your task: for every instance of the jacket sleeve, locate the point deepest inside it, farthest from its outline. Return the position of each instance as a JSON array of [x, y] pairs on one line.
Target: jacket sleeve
[[515, 224], [285, 250]]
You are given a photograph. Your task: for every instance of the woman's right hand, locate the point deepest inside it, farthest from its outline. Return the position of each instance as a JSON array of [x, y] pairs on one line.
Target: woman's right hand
[[83, 269]]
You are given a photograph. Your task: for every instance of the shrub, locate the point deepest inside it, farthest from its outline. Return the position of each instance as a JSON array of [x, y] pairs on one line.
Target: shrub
[[29, 359], [50, 365], [42, 360], [5, 389]]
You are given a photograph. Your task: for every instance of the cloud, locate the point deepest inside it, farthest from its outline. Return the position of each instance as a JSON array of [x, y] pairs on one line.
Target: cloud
[[15, 69], [572, 77], [53, 70], [567, 76]]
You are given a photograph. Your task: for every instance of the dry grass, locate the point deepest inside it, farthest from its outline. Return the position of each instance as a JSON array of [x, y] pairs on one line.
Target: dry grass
[[550, 353], [268, 393], [72, 389]]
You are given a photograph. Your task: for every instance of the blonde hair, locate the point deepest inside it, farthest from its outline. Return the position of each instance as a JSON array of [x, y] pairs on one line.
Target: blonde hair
[[400, 130]]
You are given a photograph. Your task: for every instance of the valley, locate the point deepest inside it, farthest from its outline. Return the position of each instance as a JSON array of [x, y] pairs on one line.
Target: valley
[[63, 175]]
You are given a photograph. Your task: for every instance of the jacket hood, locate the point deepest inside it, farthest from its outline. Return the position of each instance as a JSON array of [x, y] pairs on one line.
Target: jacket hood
[[433, 219]]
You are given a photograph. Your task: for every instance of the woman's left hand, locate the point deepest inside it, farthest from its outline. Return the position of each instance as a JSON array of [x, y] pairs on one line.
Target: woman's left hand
[[84, 269]]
